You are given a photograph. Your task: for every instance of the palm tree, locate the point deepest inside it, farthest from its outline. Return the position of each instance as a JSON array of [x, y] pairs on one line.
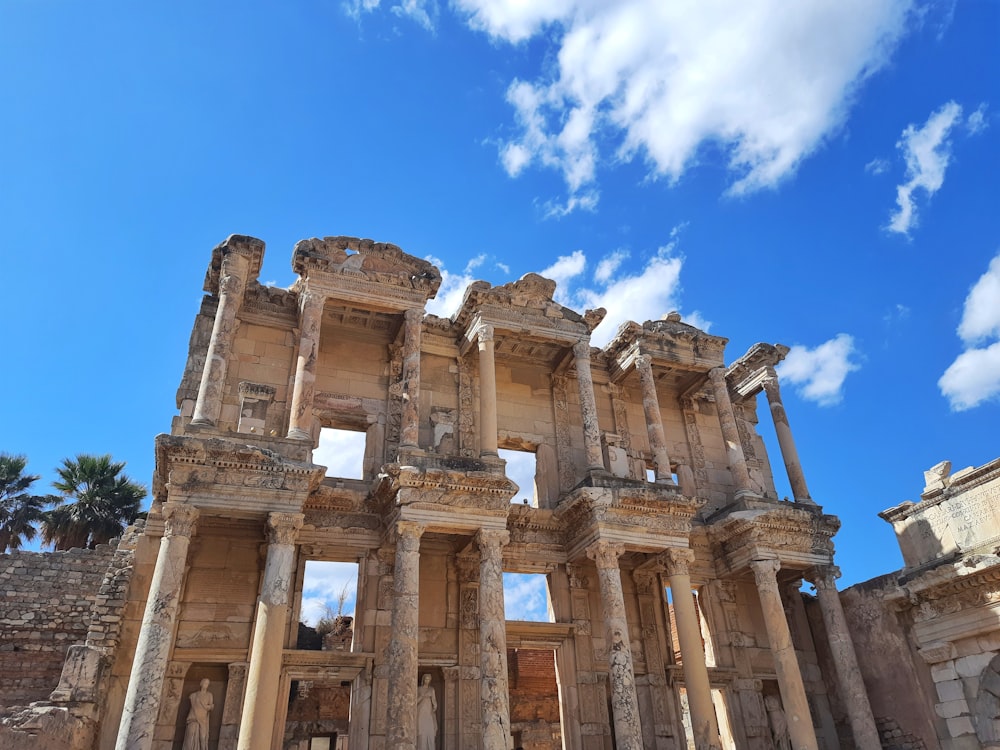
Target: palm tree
[[19, 509], [101, 502]]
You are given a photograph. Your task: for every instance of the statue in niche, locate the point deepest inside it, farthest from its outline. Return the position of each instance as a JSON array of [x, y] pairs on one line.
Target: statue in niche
[[779, 724], [196, 729], [427, 723]]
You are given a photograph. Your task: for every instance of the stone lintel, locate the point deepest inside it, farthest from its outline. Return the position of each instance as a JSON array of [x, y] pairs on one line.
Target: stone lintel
[[747, 374], [235, 244], [669, 342]]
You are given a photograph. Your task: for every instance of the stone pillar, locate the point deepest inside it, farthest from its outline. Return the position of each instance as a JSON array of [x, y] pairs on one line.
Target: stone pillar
[[588, 406], [149, 665], [487, 392], [786, 665], [401, 714], [624, 701], [232, 285], [233, 705], [304, 387], [730, 433], [493, 641], [264, 674], [852, 686], [409, 436], [699, 689], [654, 422], [789, 454]]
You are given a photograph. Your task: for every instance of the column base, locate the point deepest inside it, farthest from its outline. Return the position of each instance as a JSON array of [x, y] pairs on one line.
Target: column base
[[299, 434], [202, 422]]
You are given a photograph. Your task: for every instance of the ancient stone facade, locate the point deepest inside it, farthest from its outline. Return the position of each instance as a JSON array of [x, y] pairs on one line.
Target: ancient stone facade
[[654, 519], [935, 625]]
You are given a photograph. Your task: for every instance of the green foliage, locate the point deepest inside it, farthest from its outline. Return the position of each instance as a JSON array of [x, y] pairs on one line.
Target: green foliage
[[19, 509], [95, 502]]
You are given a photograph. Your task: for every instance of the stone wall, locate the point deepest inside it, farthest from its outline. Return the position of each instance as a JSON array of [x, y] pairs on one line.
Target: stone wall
[[45, 607]]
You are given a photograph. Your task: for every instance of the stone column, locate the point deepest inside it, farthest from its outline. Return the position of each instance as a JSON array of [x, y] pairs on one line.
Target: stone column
[[699, 689], [409, 436], [852, 686], [487, 392], [727, 419], [654, 422], [588, 405], [624, 701], [789, 454], [786, 665], [232, 285], [149, 665], [401, 659], [493, 641], [264, 674], [304, 387]]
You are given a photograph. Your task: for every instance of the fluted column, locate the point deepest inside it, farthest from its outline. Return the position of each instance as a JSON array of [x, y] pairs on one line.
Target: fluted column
[[149, 665], [790, 455], [624, 701], [401, 715], [409, 436], [487, 392], [232, 285], [588, 405], [304, 387], [786, 665], [727, 420], [264, 673], [654, 422], [845, 661], [699, 688], [493, 641]]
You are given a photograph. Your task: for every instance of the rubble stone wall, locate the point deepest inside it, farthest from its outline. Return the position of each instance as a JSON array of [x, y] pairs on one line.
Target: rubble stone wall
[[45, 602]]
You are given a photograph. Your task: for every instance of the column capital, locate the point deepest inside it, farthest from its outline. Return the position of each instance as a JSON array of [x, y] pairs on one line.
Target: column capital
[[413, 315], [408, 534], [581, 349], [823, 576], [643, 361], [676, 561], [717, 375], [180, 518], [484, 332], [283, 528], [492, 540], [770, 385], [310, 299], [766, 572], [605, 554]]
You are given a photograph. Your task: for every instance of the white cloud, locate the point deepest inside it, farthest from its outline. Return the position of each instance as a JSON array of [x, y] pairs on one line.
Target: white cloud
[[566, 268], [877, 166], [525, 597], [974, 377], [521, 469], [475, 262], [423, 12], [927, 151], [342, 452], [976, 122], [502, 267], [767, 81], [607, 267], [323, 584], [818, 374]]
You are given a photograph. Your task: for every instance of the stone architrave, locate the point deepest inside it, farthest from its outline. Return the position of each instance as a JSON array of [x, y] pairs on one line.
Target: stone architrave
[[487, 391], [409, 436], [493, 641], [845, 661], [402, 656], [232, 286], [624, 701], [654, 422], [588, 405], [676, 563], [264, 673], [145, 685], [786, 665], [730, 433], [304, 387], [790, 455]]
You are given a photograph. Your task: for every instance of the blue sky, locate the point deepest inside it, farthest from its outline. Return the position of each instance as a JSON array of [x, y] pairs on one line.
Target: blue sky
[[819, 174]]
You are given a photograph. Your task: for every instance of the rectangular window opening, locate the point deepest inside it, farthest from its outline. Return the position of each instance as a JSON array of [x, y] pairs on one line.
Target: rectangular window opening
[[526, 597], [521, 469], [342, 452], [326, 609]]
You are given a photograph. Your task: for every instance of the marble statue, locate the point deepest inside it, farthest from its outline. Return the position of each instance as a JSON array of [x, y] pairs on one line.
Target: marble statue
[[196, 729], [427, 724]]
